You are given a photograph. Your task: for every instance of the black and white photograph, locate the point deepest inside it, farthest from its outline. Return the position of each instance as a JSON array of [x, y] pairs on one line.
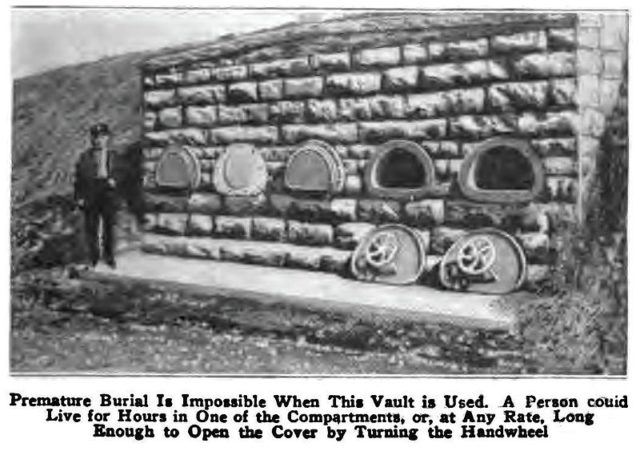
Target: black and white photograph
[[299, 192]]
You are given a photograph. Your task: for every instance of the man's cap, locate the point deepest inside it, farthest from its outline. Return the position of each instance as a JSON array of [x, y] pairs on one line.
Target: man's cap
[[99, 129]]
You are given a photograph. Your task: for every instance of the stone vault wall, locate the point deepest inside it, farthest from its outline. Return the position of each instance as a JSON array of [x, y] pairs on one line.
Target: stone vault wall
[[446, 92]]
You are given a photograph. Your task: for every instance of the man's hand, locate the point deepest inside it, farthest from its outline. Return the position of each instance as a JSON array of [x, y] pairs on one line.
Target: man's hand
[[81, 203], [111, 182]]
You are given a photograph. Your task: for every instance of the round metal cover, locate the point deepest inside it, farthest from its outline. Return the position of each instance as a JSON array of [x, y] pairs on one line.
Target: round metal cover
[[484, 261], [178, 168], [390, 254], [240, 171], [315, 166]]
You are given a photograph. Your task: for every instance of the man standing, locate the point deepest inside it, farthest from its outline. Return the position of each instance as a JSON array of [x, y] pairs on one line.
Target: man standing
[[96, 195]]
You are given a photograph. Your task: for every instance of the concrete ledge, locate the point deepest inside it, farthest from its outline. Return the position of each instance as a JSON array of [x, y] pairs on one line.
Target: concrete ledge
[[312, 290]]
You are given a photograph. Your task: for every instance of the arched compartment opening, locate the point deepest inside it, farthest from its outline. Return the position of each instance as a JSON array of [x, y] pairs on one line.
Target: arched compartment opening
[[401, 170], [315, 167], [502, 170], [177, 169]]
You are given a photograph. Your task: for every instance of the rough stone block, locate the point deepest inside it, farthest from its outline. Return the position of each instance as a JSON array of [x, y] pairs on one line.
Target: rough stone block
[[550, 124], [436, 104], [387, 130], [555, 147], [169, 78], [209, 94], [275, 167], [564, 92], [519, 42], [561, 189], [338, 62], [278, 154], [265, 254], [400, 78], [545, 65], [334, 260], [518, 96], [148, 81], [381, 106], [204, 203], [149, 122], [379, 211], [482, 126], [287, 111], [199, 225], [194, 76], [558, 214], [425, 213], [188, 136], [244, 113], [159, 98], [244, 205], [378, 57], [232, 227], [462, 49], [343, 209], [333, 133], [303, 87], [171, 223], [321, 110], [414, 53], [271, 89], [353, 185], [447, 76], [230, 73], [443, 237], [558, 39], [309, 233], [165, 203], [353, 83], [559, 165], [249, 134], [245, 91], [281, 67], [205, 116], [348, 235], [447, 169], [269, 229], [363, 152]]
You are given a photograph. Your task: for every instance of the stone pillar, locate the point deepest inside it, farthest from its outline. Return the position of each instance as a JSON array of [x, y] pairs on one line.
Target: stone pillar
[[601, 66]]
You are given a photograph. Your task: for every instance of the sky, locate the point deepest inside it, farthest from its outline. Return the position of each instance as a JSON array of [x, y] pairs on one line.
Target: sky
[[47, 38]]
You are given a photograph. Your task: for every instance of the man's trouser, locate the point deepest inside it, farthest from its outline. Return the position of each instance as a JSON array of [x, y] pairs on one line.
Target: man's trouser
[[100, 208]]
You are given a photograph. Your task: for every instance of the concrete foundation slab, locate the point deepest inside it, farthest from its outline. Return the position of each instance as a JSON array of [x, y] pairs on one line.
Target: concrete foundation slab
[[312, 290]]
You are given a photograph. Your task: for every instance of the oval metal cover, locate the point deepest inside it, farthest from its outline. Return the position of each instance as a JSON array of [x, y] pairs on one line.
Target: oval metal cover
[[177, 168], [508, 271], [407, 264], [240, 171], [315, 166]]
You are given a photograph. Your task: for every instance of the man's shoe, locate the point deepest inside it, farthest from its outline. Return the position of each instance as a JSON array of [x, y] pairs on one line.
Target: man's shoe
[[111, 263]]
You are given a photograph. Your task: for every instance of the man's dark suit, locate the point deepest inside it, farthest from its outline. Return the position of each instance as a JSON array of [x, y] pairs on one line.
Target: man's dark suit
[[98, 197]]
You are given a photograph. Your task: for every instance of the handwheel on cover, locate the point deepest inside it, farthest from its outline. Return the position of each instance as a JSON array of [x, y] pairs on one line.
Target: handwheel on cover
[[381, 249], [476, 256]]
